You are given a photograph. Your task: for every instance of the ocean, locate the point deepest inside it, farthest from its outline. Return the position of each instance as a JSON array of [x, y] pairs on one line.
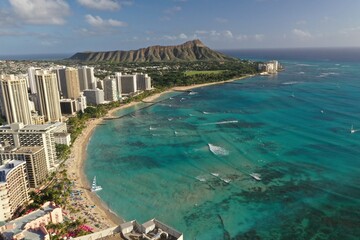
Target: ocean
[[187, 159], [37, 57]]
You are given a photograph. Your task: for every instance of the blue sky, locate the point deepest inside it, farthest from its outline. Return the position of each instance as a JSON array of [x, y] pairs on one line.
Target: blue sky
[[68, 26]]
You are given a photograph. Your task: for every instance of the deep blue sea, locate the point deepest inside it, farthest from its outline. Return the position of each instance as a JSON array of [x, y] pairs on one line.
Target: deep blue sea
[[187, 160], [37, 57]]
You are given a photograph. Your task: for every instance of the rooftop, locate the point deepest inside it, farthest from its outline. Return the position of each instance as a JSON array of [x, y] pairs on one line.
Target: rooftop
[[7, 167], [19, 224], [29, 149]]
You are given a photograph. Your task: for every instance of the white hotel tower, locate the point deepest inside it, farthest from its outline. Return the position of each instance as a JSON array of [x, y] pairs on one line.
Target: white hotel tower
[[48, 95], [15, 99]]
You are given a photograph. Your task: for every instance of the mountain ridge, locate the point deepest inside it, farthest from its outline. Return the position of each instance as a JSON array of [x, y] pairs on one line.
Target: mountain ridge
[[193, 50]]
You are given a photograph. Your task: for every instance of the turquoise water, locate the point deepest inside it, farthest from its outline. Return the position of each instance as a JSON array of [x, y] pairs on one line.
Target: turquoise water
[[186, 160]]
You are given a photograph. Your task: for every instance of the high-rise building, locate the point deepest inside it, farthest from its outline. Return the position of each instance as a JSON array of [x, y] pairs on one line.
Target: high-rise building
[[48, 95], [94, 96], [118, 84], [110, 92], [31, 79], [35, 159], [15, 99], [69, 82], [13, 188], [81, 103], [68, 106], [128, 84], [57, 71], [18, 135], [143, 82], [86, 78]]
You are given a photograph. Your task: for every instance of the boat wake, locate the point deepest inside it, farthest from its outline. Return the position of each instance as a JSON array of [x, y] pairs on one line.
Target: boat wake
[[352, 130], [218, 150], [206, 113], [193, 93], [222, 122], [326, 74], [152, 128], [290, 83]]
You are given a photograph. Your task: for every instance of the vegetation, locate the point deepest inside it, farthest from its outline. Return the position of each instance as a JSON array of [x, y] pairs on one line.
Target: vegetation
[[68, 229], [62, 151], [57, 190], [191, 73]]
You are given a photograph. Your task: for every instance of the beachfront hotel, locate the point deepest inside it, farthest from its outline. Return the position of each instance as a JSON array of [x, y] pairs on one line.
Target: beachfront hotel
[[33, 225], [94, 96], [13, 188], [270, 67], [110, 90], [15, 99], [34, 158], [18, 135]]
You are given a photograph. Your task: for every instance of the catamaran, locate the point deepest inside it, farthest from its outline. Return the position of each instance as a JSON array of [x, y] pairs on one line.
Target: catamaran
[[94, 187], [256, 176]]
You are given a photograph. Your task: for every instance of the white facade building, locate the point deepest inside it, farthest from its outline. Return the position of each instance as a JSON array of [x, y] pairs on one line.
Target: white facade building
[[110, 90], [86, 78], [48, 95], [13, 188], [15, 99], [18, 135]]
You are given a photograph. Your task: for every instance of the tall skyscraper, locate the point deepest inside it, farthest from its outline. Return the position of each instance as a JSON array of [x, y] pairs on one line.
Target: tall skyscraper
[[69, 82], [18, 135], [110, 92], [15, 99], [31, 79], [118, 84], [128, 84], [86, 78], [13, 188], [48, 95], [72, 83], [143, 82]]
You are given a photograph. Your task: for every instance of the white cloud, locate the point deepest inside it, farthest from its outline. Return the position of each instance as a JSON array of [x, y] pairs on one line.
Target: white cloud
[[301, 33], [183, 36], [201, 32], [98, 22], [100, 4], [228, 34], [41, 11]]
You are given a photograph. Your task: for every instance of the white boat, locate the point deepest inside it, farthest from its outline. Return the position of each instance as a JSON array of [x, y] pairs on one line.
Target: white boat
[[226, 180], [256, 176], [352, 130], [94, 187], [215, 174]]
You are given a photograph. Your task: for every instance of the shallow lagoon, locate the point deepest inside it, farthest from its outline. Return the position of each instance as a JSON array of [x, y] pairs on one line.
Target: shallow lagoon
[[186, 160]]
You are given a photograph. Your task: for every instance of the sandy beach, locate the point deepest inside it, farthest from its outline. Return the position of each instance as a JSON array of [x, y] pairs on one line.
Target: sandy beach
[[90, 206]]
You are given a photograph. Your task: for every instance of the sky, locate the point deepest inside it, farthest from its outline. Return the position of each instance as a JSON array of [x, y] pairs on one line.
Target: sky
[[69, 26]]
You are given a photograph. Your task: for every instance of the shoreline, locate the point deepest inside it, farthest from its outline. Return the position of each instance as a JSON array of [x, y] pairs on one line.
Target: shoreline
[[75, 164]]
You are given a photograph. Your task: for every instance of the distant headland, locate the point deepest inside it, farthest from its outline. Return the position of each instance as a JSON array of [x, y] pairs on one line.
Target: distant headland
[[189, 51]]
